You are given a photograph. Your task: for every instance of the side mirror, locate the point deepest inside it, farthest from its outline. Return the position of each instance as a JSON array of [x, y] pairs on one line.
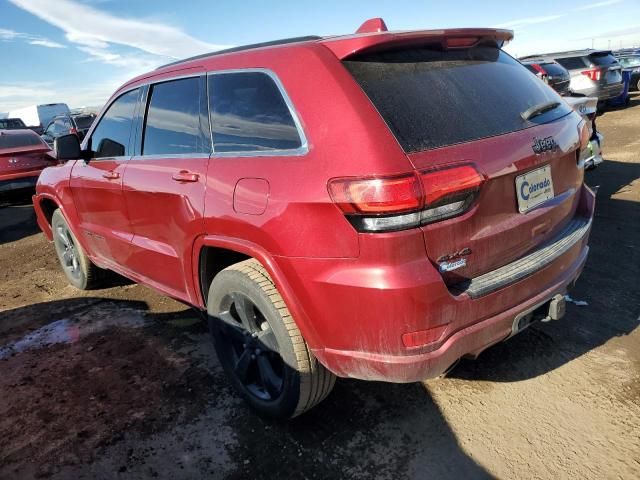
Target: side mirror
[[66, 147]]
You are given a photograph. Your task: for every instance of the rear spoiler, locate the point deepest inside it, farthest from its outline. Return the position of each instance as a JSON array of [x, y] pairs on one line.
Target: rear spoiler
[[378, 40]]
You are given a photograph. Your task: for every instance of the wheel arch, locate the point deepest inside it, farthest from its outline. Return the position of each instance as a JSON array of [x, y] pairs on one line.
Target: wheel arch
[[230, 251], [45, 205]]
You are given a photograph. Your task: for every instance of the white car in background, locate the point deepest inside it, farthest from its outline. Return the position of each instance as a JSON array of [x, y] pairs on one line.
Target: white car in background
[[588, 107]]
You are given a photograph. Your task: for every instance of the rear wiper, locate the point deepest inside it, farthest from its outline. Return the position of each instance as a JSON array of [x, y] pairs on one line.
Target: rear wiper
[[539, 109]]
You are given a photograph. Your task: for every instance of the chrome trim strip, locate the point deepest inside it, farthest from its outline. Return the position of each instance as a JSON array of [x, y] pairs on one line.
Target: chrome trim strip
[[174, 155], [302, 150], [489, 282]]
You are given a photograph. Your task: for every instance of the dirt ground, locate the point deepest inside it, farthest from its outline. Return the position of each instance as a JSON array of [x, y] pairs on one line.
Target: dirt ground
[[123, 383]]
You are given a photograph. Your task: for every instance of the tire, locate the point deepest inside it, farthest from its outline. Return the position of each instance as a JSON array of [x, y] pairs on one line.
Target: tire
[[77, 267], [259, 345]]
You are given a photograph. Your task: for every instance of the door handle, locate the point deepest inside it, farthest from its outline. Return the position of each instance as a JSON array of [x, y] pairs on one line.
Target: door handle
[[185, 176], [111, 175]]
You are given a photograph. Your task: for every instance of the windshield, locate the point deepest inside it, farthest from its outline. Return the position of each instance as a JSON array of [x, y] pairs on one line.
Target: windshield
[[431, 98], [84, 121]]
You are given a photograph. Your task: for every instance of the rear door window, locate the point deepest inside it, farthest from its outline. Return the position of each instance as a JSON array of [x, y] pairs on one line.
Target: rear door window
[[111, 137], [250, 114], [431, 98], [173, 123]]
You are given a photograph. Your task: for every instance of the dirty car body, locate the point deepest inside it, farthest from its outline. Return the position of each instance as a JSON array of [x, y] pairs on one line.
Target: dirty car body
[[405, 222]]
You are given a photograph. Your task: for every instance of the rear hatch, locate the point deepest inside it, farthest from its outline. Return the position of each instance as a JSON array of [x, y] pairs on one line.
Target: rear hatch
[[450, 106], [611, 70], [22, 152]]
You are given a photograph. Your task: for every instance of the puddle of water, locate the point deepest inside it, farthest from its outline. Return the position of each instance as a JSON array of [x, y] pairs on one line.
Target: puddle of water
[[71, 330]]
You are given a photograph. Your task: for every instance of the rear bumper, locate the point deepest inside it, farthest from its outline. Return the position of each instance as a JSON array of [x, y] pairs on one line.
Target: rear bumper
[[19, 183], [359, 310], [602, 92], [469, 342]]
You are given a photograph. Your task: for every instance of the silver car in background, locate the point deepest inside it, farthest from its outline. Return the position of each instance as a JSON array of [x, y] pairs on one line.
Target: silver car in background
[[594, 73]]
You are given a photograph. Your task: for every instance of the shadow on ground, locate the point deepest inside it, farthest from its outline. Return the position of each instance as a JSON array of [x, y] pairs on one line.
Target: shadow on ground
[[19, 221], [89, 376]]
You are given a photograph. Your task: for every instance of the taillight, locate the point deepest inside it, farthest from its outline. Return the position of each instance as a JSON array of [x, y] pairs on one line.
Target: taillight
[[376, 195], [593, 73], [584, 151], [449, 192], [539, 69], [73, 131], [396, 203]]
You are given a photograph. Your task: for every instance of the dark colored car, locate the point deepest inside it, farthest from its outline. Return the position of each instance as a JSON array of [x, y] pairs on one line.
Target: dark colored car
[[632, 63], [552, 73], [77, 124], [594, 73], [12, 124], [370, 206], [23, 155]]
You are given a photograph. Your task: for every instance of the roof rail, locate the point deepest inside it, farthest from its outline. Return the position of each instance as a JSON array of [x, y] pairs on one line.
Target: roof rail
[[242, 48]]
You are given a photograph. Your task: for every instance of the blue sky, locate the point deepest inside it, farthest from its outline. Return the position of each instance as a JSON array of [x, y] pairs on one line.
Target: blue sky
[[79, 51]]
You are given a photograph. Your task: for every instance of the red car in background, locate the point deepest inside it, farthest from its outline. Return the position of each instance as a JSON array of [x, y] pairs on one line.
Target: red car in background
[[23, 155], [373, 206]]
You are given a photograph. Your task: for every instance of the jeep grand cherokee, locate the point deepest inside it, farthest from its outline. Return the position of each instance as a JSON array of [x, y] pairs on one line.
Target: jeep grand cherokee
[[372, 206]]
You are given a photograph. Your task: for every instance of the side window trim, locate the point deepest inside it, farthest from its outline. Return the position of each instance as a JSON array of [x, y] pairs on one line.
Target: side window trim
[[87, 142], [303, 149]]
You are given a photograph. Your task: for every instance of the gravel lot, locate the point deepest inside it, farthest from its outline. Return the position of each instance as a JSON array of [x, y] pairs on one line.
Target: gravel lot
[[122, 383]]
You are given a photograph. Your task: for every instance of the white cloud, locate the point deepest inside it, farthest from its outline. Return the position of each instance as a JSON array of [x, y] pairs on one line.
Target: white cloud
[[47, 43], [13, 95], [10, 35], [597, 5], [528, 21], [7, 34], [91, 27]]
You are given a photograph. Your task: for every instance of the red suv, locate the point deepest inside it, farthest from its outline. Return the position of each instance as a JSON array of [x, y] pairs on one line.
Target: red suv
[[373, 206]]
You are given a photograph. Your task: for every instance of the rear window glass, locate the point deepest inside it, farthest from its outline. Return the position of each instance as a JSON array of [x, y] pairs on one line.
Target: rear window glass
[[602, 59], [20, 140], [432, 98], [249, 114], [554, 70], [571, 63], [84, 121], [11, 123]]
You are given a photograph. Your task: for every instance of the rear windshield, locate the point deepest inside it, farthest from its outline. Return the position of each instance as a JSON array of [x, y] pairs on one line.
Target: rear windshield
[[555, 70], [432, 98], [11, 123], [602, 59], [20, 140], [84, 121], [571, 63]]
